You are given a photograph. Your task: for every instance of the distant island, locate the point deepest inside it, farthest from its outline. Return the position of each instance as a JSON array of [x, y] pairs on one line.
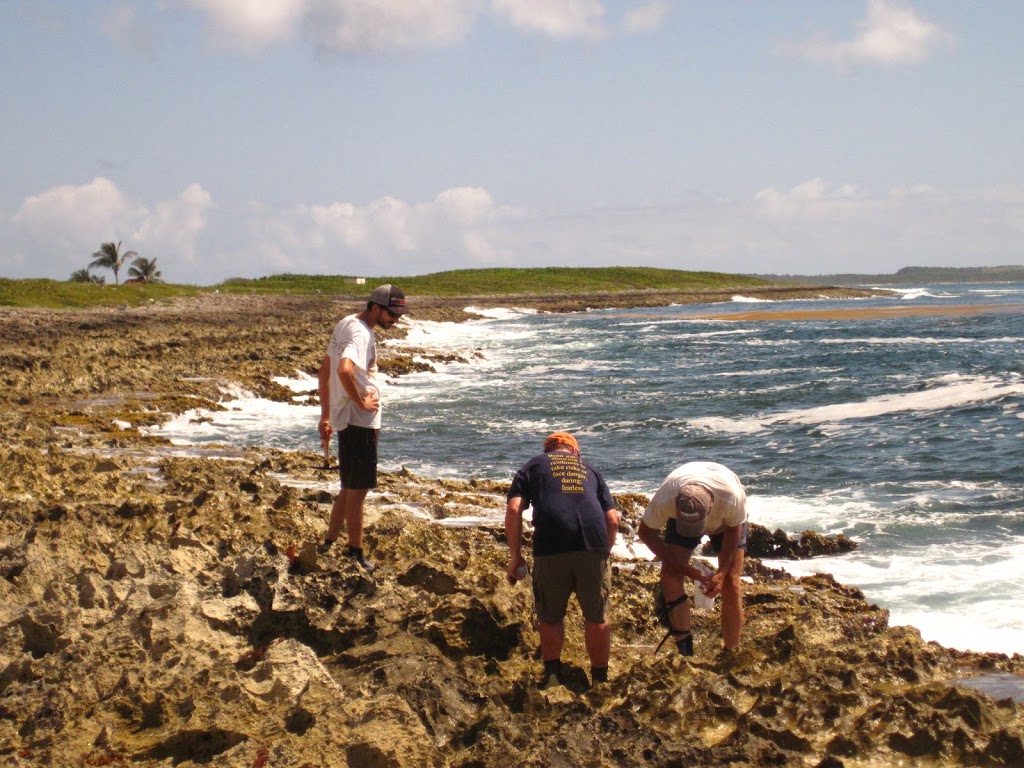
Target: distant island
[[1010, 273]]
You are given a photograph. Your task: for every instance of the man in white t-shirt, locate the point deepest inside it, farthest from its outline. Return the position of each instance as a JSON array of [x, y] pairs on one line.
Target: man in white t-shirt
[[350, 406], [698, 498]]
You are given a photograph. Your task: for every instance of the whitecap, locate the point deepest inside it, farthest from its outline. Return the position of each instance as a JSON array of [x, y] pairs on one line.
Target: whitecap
[[300, 382], [966, 391], [500, 313]]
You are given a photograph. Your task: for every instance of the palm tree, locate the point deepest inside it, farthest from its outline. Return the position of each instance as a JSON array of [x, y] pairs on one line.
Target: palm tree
[[109, 256], [85, 276], [144, 270]]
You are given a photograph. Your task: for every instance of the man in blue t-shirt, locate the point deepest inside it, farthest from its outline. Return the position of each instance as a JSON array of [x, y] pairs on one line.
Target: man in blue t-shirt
[[574, 527]]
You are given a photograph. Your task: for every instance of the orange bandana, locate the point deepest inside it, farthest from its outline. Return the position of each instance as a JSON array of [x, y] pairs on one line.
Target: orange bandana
[[561, 438]]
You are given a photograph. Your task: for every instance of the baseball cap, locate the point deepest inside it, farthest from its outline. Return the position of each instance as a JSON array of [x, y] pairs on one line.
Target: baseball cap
[[693, 502], [390, 297]]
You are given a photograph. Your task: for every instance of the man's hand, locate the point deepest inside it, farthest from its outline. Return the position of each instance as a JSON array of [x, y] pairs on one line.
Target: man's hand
[[370, 400], [516, 570], [325, 429], [713, 586]]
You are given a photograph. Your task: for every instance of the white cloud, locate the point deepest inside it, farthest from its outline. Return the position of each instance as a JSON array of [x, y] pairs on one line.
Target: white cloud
[[353, 26], [385, 234], [90, 213], [809, 199], [251, 25], [122, 24], [889, 34], [174, 226], [369, 26], [647, 17], [466, 205], [55, 232], [554, 18]]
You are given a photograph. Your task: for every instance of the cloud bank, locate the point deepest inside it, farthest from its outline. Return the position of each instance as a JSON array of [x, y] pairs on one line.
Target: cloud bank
[[889, 34], [815, 227], [357, 26]]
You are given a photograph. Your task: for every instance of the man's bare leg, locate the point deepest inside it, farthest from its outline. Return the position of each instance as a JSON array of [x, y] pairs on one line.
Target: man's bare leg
[[337, 521], [598, 639], [732, 603], [552, 636], [352, 502]]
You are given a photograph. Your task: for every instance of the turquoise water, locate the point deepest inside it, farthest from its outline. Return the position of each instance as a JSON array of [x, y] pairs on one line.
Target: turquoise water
[[905, 433]]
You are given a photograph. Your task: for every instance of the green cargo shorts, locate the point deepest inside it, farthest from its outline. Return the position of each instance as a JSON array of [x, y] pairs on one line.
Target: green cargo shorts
[[588, 575]]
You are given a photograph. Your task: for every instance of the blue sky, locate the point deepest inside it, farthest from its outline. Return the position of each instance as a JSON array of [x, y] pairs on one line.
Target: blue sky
[[235, 138]]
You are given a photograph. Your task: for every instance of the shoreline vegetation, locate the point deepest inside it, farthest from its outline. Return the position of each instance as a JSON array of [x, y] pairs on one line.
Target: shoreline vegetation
[[508, 282], [162, 606], [574, 287]]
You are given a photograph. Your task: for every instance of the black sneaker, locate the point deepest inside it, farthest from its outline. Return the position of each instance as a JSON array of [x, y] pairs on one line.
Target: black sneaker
[[356, 553], [325, 547], [549, 681]]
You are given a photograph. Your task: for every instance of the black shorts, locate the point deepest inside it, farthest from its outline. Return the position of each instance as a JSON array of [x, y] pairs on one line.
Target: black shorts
[[692, 542], [716, 539], [357, 457]]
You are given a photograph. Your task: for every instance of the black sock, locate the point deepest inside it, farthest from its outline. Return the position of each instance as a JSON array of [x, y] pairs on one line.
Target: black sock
[[599, 674], [552, 667]]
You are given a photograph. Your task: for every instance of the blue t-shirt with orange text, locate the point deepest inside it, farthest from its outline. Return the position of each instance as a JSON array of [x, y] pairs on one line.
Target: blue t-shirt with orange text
[[569, 500]]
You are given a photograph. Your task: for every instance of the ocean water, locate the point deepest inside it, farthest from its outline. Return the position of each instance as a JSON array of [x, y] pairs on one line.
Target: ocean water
[[904, 432]]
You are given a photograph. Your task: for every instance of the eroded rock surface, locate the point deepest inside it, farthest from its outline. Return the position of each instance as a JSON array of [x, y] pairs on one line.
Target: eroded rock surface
[[162, 610]]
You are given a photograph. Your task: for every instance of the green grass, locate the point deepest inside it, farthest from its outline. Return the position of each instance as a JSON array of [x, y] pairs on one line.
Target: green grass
[[57, 294], [506, 281], [460, 282]]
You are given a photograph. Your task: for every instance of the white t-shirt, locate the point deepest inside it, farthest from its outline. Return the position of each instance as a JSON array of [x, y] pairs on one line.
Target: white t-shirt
[[728, 507], [352, 339]]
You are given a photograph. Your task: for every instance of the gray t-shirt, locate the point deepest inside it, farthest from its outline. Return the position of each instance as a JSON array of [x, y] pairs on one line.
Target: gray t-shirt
[[729, 505]]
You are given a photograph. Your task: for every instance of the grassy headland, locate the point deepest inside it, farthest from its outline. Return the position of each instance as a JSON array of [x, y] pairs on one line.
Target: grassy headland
[[507, 281], [492, 283]]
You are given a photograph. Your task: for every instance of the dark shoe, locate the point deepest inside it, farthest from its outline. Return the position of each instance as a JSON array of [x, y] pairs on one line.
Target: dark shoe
[[684, 643], [551, 672], [356, 553], [325, 547], [598, 675], [551, 681]]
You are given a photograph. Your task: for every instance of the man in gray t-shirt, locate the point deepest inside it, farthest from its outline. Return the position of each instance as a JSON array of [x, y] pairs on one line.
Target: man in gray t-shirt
[[698, 498]]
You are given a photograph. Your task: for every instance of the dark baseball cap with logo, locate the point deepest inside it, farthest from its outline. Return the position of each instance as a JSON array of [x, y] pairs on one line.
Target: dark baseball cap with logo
[[390, 297]]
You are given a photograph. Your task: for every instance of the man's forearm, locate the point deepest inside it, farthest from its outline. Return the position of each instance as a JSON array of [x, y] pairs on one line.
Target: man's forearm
[[323, 388], [730, 545], [514, 529], [347, 375], [612, 521]]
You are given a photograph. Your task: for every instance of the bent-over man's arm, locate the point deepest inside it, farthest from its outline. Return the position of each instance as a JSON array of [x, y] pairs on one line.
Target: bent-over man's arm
[[674, 557], [514, 535], [726, 556], [611, 518]]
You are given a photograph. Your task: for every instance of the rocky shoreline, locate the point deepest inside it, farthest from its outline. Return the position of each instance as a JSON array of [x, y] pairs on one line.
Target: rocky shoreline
[[164, 608]]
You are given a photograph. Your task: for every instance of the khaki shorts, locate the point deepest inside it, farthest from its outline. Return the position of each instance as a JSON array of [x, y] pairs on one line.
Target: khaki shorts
[[555, 577]]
